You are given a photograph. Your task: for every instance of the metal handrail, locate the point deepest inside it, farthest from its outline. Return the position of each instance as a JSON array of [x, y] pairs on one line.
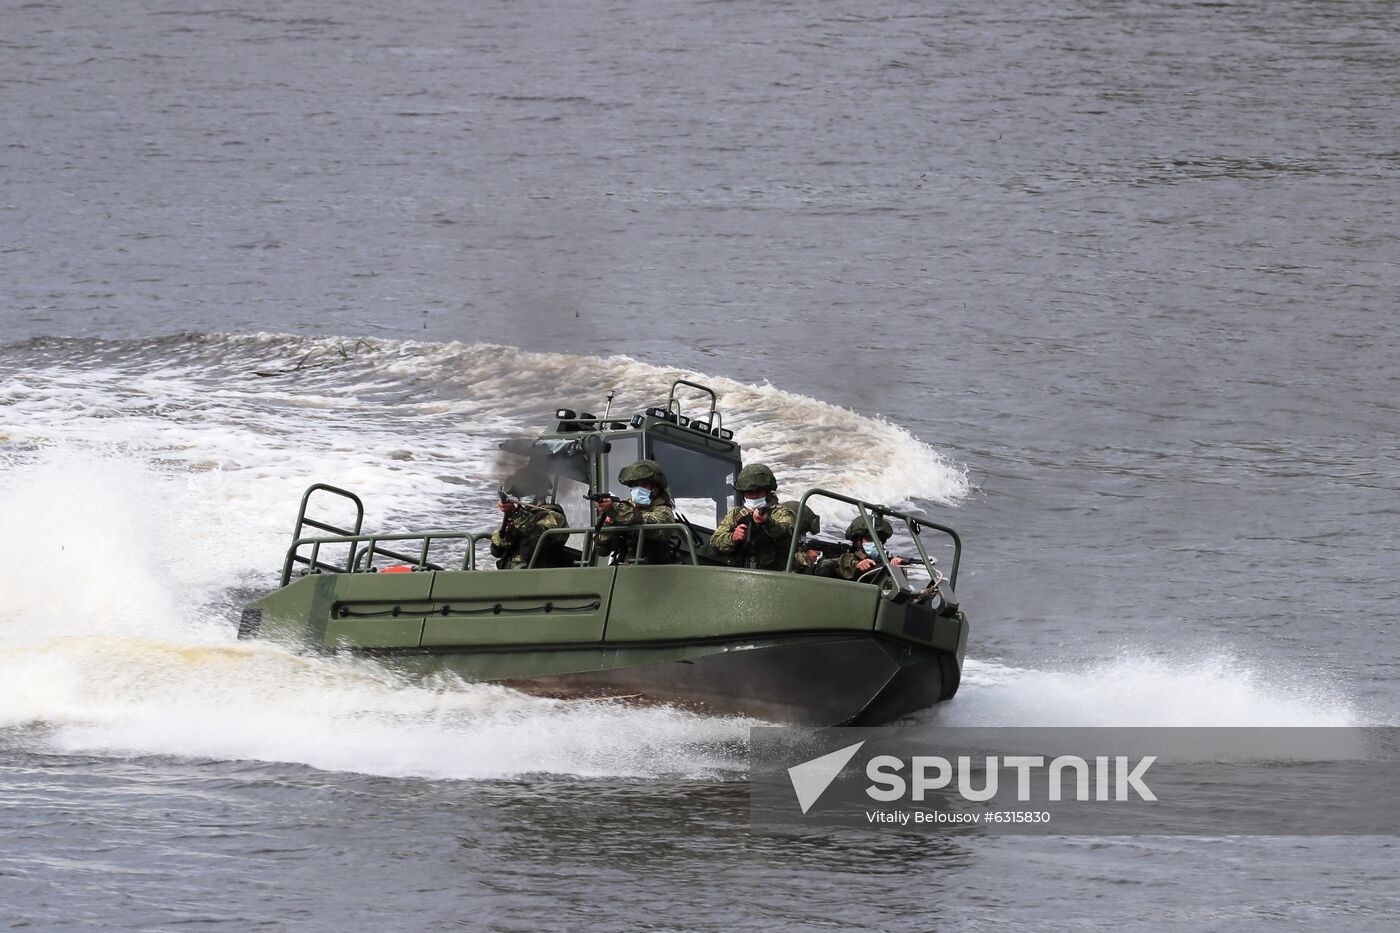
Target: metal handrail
[[673, 405], [352, 561], [914, 523], [469, 559], [302, 520], [641, 531]]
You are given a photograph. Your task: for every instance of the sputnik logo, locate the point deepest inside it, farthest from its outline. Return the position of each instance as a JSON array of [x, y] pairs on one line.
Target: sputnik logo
[[811, 778]]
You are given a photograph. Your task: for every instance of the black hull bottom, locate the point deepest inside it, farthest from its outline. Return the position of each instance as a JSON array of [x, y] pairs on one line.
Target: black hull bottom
[[842, 681]]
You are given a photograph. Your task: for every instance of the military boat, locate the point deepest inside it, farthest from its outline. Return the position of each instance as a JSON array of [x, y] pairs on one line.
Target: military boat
[[700, 632]]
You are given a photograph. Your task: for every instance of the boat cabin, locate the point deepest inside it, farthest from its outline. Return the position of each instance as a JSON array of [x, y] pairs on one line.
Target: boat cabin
[[584, 453]]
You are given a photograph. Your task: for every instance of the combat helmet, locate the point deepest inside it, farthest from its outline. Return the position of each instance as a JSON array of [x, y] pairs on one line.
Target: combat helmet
[[755, 476], [642, 470], [858, 528], [808, 523], [527, 481]]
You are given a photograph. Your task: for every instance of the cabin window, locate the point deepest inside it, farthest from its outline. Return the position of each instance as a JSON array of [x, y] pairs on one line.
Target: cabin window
[[573, 497], [622, 452], [701, 483]]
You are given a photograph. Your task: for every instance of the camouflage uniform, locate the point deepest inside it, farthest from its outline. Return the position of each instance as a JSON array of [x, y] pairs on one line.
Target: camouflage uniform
[[808, 523], [802, 563], [765, 545], [657, 547], [514, 542], [521, 528], [844, 566]]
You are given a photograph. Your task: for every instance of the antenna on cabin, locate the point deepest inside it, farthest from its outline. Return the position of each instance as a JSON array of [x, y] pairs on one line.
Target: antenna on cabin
[[611, 393]]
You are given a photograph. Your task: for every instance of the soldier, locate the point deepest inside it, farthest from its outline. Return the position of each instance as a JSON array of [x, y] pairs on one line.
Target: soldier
[[648, 504], [525, 517], [863, 557], [759, 532], [808, 523]]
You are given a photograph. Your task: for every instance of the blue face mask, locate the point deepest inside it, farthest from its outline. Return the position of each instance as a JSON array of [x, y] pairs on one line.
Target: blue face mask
[[755, 503], [871, 549], [641, 495], [529, 500]]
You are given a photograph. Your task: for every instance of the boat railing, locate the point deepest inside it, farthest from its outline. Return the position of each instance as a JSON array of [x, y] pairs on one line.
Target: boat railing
[[365, 559], [914, 523], [294, 556], [714, 421], [590, 536], [363, 549]]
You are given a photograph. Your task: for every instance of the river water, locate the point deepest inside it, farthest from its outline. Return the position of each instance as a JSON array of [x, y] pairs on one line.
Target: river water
[[1108, 286]]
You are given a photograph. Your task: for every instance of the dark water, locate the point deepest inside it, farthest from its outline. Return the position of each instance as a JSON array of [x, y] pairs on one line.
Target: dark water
[[1129, 267]]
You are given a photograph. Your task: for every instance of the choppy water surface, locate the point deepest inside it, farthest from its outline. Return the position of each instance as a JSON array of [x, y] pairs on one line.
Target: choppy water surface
[[1110, 287]]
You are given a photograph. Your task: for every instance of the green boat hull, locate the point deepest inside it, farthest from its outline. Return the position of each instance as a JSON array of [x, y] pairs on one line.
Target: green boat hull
[[782, 647]]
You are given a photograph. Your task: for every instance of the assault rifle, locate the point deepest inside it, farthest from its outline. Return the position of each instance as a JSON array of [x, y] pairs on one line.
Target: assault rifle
[[507, 527], [828, 548], [595, 498], [747, 555], [824, 547]]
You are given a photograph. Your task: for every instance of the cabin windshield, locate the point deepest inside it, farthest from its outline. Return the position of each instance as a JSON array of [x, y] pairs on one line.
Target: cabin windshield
[[622, 450], [701, 483], [572, 495]]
